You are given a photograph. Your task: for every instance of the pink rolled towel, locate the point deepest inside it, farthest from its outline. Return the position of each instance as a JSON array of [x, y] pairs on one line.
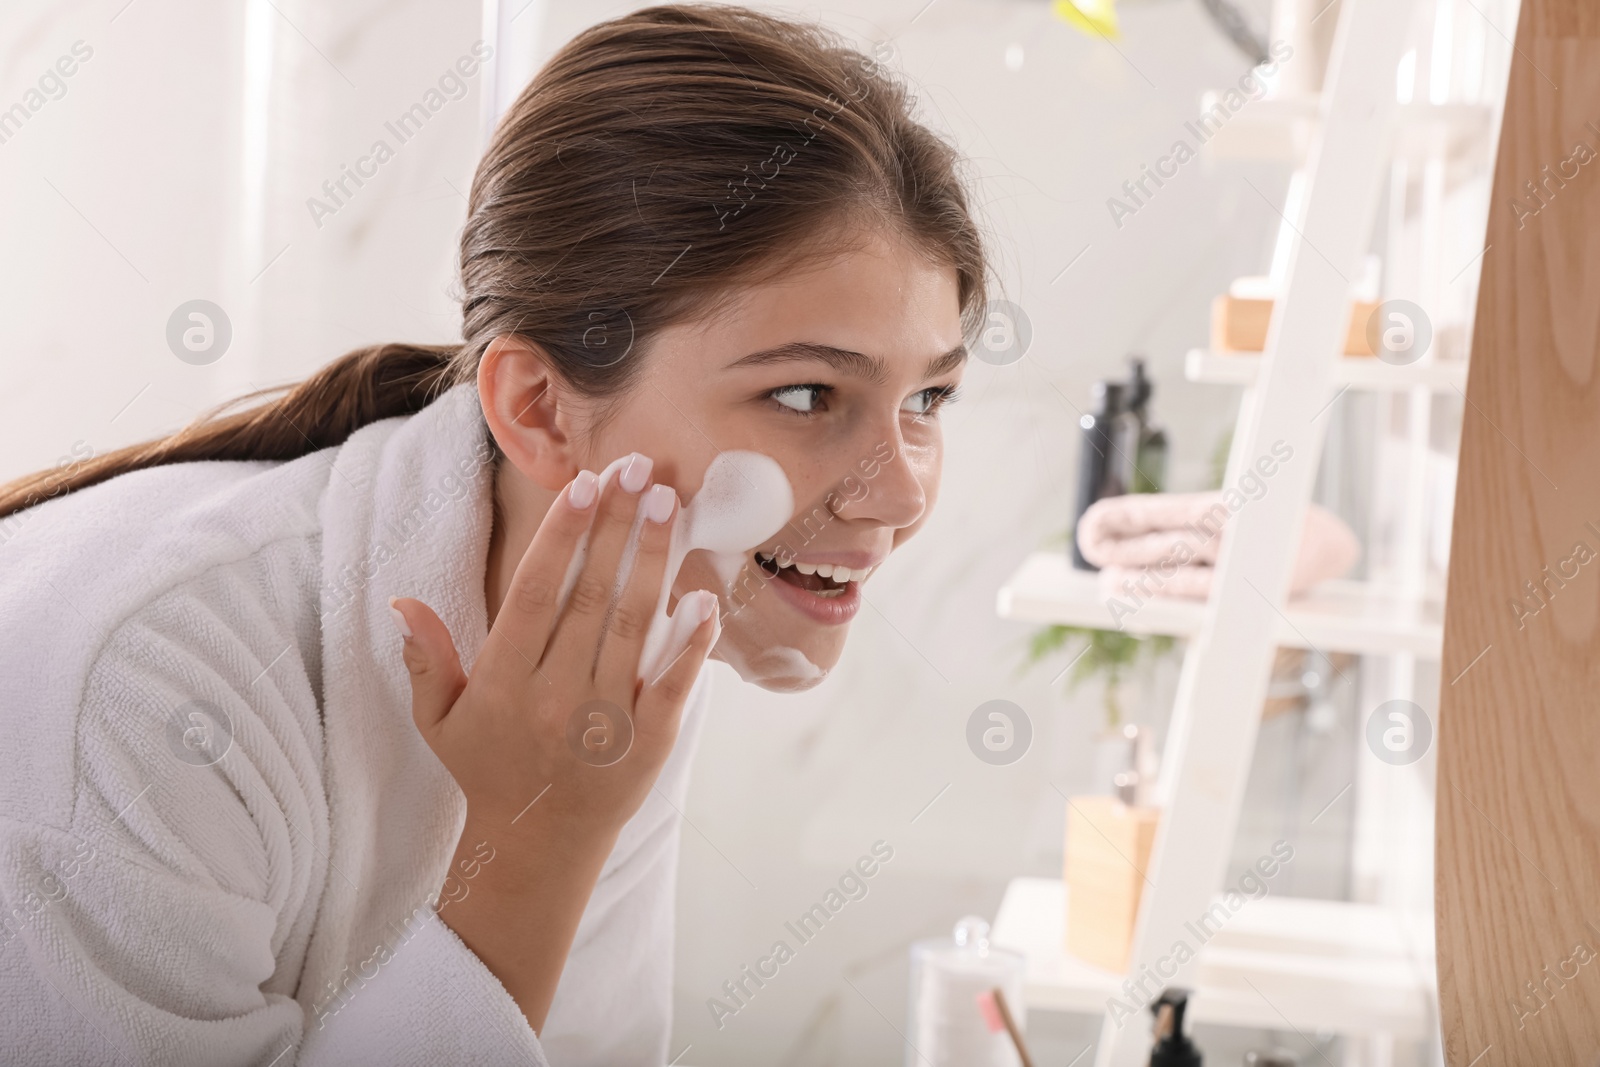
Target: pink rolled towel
[[1174, 539]]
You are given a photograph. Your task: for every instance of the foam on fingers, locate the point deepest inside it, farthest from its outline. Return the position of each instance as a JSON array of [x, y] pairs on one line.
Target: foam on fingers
[[693, 609], [744, 499]]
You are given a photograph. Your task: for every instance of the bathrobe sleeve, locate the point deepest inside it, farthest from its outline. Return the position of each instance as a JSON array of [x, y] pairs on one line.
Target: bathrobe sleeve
[[160, 902]]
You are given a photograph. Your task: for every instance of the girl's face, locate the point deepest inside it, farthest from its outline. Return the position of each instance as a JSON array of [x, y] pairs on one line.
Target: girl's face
[[838, 372]]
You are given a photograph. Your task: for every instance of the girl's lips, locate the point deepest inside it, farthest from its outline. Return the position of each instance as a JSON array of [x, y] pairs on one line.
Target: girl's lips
[[829, 611]]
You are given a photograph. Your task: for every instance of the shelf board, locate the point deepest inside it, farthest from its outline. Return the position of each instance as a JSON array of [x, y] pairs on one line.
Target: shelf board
[[1280, 129], [1458, 117], [1326, 965], [1356, 372], [1336, 616]]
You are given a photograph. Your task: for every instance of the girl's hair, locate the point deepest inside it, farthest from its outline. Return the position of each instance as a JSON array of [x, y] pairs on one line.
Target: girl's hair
[[658, 162]]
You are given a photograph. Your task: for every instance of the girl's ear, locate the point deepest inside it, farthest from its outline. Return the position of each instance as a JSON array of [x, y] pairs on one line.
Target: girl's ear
[[529, 410]]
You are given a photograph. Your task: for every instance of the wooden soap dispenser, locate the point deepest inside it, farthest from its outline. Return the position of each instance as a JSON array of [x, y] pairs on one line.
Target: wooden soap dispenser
[[1108, 845]]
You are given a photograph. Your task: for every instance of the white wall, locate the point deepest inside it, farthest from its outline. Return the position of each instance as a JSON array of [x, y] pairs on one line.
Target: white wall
[[178, 165], [151, 145]]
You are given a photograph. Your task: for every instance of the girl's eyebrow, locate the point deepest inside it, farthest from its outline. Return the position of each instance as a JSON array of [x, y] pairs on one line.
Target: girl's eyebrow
[[856, 364]]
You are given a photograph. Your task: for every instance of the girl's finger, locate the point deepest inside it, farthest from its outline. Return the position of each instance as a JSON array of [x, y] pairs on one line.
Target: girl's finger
[[576, 637], [431, 659], [527, 616], [659, 706], [629, 622]]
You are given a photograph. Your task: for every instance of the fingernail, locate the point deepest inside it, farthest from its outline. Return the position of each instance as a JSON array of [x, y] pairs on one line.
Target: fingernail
[[636, 475], [399, 620], [585, 487], [659, 502], [708, 604]]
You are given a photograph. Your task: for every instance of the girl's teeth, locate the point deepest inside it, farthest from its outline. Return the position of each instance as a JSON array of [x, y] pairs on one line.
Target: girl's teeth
[[840, 574]]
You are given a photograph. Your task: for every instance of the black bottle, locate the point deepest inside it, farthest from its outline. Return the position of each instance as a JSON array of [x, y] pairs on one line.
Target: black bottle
[[1172, 1046], [1100, 471], [1146, 455]]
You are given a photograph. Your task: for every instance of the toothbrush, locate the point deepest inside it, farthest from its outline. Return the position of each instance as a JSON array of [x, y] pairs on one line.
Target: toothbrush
[[997, 1017]]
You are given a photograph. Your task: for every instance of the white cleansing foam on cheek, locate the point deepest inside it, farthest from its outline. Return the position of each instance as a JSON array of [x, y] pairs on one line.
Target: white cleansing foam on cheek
[[744, 500]]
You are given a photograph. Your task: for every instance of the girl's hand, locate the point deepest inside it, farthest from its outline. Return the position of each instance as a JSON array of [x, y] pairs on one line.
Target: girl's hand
[[553, 738], [553, 709]]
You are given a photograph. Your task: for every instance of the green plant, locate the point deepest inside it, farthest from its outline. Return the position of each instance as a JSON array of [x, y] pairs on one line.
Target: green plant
[[1219, 458], [1109, 653], [1112, 654]]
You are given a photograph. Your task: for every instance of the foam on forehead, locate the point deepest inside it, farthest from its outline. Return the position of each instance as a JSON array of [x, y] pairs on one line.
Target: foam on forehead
[[744, 499]]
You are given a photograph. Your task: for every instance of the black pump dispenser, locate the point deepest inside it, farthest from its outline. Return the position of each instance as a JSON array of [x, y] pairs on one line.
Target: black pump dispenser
[[1104, 433], [1172, 1046], [1146, 453]]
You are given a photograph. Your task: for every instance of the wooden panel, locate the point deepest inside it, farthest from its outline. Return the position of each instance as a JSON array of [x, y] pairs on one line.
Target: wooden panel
[[1518, 862]]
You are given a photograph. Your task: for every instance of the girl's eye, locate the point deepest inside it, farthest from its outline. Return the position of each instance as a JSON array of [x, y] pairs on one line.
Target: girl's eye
[[927, 401], [808, 399], [802, 399]]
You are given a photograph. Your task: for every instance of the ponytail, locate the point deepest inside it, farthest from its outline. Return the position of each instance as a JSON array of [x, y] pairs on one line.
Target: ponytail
[[364, 386]]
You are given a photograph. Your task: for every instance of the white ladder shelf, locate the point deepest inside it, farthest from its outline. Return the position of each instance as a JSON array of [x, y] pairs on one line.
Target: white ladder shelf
[[1311, 964], [1225, 672]]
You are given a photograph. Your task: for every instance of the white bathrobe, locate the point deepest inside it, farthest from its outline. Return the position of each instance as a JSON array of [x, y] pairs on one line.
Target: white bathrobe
[[219, 829]]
